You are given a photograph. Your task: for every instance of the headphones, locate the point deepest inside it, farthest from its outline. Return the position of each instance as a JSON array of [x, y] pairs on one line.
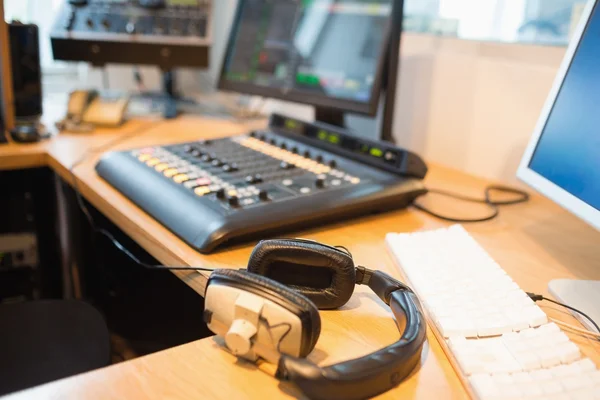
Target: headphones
[[271, 311]]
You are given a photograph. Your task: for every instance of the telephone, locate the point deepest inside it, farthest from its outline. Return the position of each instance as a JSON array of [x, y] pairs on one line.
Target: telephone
[[89, 108]]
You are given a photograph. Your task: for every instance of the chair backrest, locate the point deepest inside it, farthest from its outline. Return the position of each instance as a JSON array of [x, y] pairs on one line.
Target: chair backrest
[[42, 341]]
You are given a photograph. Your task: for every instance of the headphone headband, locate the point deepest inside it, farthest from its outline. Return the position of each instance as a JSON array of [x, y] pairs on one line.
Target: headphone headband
[[377, 372]]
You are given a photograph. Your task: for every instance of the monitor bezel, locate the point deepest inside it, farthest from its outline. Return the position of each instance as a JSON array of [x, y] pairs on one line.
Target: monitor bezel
[[368, 108], [538, 182]]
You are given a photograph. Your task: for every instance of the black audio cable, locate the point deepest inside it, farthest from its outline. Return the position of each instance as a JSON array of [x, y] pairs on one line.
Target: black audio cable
[[521, 197], [84, 209], [538, 297]]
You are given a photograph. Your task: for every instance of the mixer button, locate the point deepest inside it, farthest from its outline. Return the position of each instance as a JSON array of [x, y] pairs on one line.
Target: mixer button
[[180, 178], [248, 202], [355, 181], [217, 163], [161, 167], [190, 184], [152, 162], [170, 172], [201, 191], [305, 190], [287, 182], [196, 153], [204, 181], [336, 182], [206, 158]]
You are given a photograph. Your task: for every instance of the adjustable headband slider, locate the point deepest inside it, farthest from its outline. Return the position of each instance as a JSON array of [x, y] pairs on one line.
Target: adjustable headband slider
[[363, 275]]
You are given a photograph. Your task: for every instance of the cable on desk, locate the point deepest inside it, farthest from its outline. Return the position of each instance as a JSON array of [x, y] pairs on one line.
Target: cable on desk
[[521, 197], [538, 297], [84, 209]]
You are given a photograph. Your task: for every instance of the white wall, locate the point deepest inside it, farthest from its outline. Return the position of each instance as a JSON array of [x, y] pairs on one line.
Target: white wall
[[472, 105]]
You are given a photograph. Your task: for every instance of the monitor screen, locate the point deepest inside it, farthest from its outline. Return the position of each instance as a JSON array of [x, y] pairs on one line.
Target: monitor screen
[[328, 53], [568, 150]]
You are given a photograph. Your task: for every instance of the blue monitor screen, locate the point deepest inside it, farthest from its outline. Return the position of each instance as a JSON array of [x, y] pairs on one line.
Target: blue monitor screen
[[568, 152]]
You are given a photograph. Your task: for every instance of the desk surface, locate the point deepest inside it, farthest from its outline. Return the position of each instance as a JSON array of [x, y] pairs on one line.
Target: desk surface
[[534, 242]]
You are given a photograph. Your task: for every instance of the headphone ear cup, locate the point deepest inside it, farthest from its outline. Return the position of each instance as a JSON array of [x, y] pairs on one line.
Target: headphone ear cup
[[324, 274], [286, 297]]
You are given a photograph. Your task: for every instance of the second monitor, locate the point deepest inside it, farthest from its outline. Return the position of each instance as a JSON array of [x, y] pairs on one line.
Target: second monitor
[[335, 55]]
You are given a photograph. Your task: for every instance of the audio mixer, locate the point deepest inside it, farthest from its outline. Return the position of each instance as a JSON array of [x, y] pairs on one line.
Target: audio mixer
[[294, 174]]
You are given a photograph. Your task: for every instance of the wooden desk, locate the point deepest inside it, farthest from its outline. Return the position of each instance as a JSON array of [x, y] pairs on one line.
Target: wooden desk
[[534, 242]]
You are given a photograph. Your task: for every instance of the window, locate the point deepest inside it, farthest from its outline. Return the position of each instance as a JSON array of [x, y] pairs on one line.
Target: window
[[526, 21]]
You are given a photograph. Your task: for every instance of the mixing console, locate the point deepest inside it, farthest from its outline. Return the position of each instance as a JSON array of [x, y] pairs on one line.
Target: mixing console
[[212, 191]]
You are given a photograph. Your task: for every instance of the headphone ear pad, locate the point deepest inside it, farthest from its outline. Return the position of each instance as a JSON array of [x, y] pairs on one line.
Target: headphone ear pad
[[284, 296], [322, 273]]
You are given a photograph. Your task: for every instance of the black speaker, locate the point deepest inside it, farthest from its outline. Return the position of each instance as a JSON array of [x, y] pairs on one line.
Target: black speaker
[[26, 70]]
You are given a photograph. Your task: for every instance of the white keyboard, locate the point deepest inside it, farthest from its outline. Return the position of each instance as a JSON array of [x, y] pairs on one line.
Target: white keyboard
[[501, 340]]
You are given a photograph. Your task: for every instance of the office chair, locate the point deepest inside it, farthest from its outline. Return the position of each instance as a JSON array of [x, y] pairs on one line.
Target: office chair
[[41, 341]]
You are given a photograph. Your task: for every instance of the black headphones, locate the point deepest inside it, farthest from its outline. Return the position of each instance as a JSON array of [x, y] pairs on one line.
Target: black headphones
[[286, 281]]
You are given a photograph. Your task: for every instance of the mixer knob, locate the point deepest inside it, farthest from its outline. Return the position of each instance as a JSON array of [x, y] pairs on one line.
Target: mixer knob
[[307, 154], [217, 163], [273, 142], [286, 165], [221, 193], [264, 195], [295, 150], [234, 200], [187, 148], [283, 146], [252, 134], [262, 137], [230, 167], [320, 183], [252, 179], [89, 22], [206, 158], [332, 163], [130, 27], [319, 158], [106, 23]]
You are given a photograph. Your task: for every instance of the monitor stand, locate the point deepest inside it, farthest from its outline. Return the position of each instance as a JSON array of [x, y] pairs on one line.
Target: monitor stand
[[582, 295], [330, 116], [167, 101]]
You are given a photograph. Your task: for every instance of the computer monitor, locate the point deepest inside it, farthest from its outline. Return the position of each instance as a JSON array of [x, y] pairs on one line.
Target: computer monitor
[[563, 158], [337, 55]]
